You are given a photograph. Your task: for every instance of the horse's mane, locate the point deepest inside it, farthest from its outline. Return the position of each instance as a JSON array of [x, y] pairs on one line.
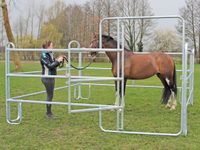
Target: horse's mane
[[109, 38]]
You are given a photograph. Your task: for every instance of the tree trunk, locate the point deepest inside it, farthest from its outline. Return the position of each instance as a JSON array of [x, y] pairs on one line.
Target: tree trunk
[[199, 49], [140, 43], [14, 55]]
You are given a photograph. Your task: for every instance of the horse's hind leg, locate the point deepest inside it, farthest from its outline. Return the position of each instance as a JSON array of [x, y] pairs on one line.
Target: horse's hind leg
[[166, 91], [173, 89], [173, 101]]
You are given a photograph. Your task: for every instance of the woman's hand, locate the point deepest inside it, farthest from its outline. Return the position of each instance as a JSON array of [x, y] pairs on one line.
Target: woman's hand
[[60, 59]]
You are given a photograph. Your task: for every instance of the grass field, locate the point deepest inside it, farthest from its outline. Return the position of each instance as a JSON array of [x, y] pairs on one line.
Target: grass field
[[143, 112]]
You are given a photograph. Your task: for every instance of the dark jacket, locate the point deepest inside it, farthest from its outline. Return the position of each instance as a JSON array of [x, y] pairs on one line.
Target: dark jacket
[[48, 63]]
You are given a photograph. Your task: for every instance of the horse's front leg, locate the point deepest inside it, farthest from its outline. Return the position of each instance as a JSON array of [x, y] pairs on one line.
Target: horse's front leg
[[117, 102], [125, 80], [116, 94]]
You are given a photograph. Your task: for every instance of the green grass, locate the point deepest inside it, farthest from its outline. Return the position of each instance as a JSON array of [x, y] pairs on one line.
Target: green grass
[[143, 112]]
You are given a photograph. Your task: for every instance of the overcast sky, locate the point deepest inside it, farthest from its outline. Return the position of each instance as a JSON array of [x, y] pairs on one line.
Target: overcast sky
[[166, 7], [160, 7]]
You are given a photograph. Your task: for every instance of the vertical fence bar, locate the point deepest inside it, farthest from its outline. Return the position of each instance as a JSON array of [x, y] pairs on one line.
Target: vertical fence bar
[[184, 83], [118, 72], [69, 81], [79, 73], [100, 34], [193, 61], [192, 76], [7, 81], [100, 46], [122, 75], [7, 90]]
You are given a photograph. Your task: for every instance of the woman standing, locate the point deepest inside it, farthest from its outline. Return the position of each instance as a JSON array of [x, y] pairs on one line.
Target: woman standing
[[49, 65]]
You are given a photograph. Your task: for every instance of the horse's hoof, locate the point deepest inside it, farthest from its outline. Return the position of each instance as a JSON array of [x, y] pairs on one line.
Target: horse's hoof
[[50, 116], [167, 106], [173, 107]]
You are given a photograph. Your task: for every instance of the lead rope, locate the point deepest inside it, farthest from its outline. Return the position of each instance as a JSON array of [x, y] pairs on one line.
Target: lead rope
[[77, 68]]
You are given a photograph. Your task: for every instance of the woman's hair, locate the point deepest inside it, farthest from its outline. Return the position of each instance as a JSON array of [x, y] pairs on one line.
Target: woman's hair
[[46, 44]]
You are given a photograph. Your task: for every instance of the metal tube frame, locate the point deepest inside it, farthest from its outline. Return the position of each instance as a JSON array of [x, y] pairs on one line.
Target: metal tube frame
[[78, 93], [120, 78], [71, 81], [8, 107], [184, 98], [191, 77]]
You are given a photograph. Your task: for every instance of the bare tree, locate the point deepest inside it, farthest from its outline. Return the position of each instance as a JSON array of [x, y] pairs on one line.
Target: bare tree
[[40, 16], [87, 23], [99, 10], [191, 14], [135, 29], [197, 15], [108, 12], [20, 26], [144, 25], [2, 31], [96, 13], [55, 10], [15, 56]]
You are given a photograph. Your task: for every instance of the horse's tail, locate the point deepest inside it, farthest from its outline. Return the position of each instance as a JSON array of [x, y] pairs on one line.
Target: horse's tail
[[166, 94], [174, 88], [169, 88]]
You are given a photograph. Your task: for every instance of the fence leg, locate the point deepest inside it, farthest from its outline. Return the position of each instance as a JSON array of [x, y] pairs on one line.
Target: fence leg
[[19, 114]]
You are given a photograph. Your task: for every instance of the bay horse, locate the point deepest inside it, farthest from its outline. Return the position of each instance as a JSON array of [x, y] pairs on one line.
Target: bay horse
[[142, 66]]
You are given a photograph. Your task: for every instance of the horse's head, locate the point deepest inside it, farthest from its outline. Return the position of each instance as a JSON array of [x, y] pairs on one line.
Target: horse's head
[[94, 44], [105, 43]]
